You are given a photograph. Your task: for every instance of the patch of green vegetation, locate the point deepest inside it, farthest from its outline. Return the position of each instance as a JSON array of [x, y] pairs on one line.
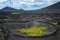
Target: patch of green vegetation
[[33, 31]]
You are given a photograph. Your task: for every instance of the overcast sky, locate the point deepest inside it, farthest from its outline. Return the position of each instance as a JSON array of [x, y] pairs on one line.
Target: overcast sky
[[27, 4]]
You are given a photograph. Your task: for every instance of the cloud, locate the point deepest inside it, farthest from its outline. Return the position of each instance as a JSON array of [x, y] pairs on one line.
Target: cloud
[[3, 5], [2, 1], [27, 4]]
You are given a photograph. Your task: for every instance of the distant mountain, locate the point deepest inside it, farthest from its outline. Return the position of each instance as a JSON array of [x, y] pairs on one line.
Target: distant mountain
[[55, 8], [9, 9]]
